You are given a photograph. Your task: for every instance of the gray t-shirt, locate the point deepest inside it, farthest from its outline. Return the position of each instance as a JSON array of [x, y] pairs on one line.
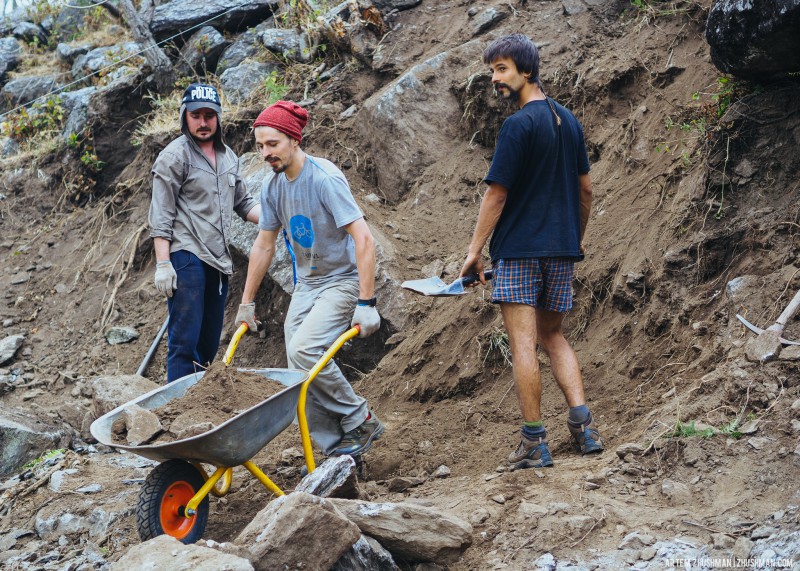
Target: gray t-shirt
[[314, 208]]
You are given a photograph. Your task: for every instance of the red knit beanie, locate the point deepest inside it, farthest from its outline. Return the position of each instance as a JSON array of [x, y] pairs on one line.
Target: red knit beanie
[[286, 117]]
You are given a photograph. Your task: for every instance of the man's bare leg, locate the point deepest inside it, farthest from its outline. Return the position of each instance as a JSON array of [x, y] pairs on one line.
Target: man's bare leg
[[563, 361], [520, 322]]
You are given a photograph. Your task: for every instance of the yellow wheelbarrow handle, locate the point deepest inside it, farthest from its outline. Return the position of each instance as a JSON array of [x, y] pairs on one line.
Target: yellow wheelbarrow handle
[[234, 343], [301, 402]]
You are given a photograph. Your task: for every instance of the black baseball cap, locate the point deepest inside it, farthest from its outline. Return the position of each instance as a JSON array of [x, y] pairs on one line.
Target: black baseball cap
[[199, 96]]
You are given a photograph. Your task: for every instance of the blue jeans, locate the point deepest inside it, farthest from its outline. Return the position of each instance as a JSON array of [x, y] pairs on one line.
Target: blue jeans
[[196, 310]]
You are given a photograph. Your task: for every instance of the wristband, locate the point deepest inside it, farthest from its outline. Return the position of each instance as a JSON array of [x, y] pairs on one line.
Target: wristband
[[368, 302]]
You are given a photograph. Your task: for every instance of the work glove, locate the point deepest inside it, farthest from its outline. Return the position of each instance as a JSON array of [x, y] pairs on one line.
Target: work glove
[[247, 314], [367, 317], [166, 278]]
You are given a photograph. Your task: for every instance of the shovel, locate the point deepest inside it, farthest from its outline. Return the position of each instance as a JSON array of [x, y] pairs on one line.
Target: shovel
[[435, 287], [769, 342]]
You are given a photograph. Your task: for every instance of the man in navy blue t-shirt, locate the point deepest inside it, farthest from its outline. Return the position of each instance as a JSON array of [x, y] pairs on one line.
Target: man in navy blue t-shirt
[[535, 209]]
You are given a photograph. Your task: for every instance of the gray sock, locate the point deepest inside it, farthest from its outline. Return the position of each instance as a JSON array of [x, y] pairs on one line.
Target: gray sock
[[580, 415]]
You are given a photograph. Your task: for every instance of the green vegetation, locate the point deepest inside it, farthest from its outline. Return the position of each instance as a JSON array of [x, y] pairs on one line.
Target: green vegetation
[[274, 88], [23, 125], [497, 347], [46, 456]]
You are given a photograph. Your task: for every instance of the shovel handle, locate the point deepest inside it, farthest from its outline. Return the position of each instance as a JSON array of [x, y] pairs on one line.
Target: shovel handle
[[472, 278], [234, 343]]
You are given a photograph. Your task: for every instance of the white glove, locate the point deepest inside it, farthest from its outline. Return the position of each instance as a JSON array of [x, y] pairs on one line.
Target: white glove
[[166, 278], [367, 317], [247, 314]]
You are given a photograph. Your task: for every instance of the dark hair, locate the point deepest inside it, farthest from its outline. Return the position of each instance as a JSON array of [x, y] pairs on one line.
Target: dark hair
[[521, 50]]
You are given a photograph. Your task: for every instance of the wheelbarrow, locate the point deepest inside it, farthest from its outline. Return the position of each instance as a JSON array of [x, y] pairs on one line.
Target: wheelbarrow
[[174, 498]]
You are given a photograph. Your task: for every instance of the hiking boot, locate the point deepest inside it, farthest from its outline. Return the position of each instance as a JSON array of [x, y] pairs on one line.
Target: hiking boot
[[586, 438], [358, 441], [531, 453]]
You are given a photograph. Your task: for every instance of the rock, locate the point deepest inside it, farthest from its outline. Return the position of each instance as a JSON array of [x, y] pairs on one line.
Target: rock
[[545, 562], [76, 106], [529, 509], [201, 52], [166, 552], [499, 499], [9, 347], [636, 540], [67, 23], [9, 56], [290, 533], [487, 19], [400, 126], [100, 58], [764, 347], [336, 477], [111, 391], [573, 7], [411, 532], [117, 335], [647, 554], [479, 516], [366, 555], [244, 46], [189, 428], [90, 489], [30, 33], [289, 44], [402, 483], [742, 547], [676, 493], [142, 425], [8, 148], [68, 53], [721, 541], [790, 353], [754, 40], [630, 448], [244, 81], [441, 472], [763, 532], [580, 525], [23, 89], [757, 443], [179, 15], [25, 438], [386, 6]]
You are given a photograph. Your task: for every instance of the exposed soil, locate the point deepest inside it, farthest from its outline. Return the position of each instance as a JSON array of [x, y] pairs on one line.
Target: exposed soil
[[690, 226]]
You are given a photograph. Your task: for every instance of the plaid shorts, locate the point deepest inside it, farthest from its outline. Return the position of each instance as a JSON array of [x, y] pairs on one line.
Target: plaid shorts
[[544, 283]]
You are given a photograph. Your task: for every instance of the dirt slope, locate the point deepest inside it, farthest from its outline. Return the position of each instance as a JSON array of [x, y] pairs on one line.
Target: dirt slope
[[680, 210]]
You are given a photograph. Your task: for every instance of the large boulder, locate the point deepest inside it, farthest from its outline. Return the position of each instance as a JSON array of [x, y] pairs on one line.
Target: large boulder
[[24, 89], [102, 58], [9, 347], [239, 83], [298, 531], [201, 52], [179, 15], [24, 438], [410, 531], [412, 122], [9, 56], [755, 40], [244, 47], [67, 23], [165, 552], [366, 555]]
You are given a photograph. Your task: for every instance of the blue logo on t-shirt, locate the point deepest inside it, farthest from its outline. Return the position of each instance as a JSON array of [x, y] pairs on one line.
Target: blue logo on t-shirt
[[302, 232]]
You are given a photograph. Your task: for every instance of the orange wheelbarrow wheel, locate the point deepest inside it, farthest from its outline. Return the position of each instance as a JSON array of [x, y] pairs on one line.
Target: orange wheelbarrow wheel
[[162, 503]]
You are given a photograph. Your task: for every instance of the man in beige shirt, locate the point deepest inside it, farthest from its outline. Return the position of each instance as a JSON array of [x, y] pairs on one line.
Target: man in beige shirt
[[197, 187]]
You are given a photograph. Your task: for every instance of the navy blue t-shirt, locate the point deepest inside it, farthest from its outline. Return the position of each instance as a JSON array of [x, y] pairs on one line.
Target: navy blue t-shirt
[[539, 163]]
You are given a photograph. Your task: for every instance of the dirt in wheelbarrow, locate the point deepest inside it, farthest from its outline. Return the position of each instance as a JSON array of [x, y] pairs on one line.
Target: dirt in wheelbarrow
[[221, 394]]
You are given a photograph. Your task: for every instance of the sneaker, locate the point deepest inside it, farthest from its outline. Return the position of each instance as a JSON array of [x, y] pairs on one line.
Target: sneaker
[[359, 440], [586, 438], [531, 453]]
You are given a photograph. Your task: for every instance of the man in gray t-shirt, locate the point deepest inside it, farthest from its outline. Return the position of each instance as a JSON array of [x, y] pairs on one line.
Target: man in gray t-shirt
[[334, 256]]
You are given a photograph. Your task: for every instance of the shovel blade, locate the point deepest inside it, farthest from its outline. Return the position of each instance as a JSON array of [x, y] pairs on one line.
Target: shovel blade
[[435, 287]]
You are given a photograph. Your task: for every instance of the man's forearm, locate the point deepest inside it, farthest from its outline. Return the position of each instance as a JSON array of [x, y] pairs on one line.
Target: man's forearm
[[585, 202], [161, 246], [491, 208], [260, 260], [365, 262]]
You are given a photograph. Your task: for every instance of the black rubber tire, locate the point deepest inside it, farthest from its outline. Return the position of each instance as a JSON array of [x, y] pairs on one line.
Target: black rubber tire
[[152, 496]]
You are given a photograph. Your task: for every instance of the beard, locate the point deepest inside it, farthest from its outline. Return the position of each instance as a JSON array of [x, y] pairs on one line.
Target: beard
[[279, 167], [510, 92], [203, 136]]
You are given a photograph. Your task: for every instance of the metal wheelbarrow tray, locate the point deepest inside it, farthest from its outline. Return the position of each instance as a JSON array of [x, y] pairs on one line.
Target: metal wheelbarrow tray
[[233, 442]]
